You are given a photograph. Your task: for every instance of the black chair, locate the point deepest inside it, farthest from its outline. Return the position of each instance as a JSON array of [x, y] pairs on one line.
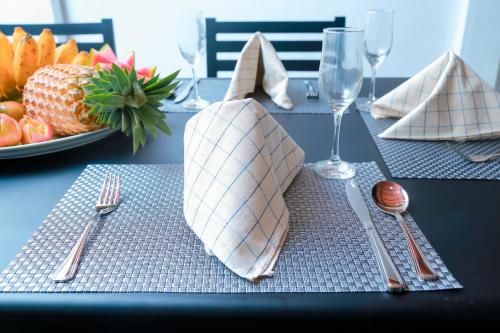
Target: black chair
[[214, 46], [104, 28]]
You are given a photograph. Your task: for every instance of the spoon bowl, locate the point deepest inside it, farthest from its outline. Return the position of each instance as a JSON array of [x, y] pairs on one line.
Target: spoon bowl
[[392, 199]]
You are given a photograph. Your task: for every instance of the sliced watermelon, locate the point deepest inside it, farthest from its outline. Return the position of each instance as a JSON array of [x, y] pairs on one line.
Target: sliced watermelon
[[128, 62], [105, 57], [99, 58], [146, 72], [108, 53], [103, 66]]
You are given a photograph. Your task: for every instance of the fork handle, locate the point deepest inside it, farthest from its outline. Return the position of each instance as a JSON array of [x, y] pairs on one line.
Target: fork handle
[[309, 86], [66, 271], [485, 157]]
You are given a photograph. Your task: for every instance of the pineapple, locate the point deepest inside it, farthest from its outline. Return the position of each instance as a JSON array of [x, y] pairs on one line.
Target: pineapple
[[76, 99], [55, 94]]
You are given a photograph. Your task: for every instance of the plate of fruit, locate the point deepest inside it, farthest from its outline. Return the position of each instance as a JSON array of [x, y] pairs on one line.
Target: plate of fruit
[[54, 98]]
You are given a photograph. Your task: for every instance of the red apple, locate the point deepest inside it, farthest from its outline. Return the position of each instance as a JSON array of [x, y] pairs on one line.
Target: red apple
[[36, 130], [10, 131]]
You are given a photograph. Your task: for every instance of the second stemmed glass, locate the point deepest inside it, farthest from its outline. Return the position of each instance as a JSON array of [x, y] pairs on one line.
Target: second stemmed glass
[[377, 44], [191, 40], [340, 80]]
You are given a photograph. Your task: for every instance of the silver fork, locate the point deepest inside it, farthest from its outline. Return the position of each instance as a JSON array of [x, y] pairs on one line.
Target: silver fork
[[108, 201], [476, 158], [311, 92]]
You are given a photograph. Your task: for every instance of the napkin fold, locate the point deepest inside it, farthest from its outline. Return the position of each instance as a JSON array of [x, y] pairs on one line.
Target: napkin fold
[[259, 64], [238, 162], [447, 100]]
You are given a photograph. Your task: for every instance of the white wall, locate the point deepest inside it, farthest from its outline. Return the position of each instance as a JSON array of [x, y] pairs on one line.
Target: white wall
[[25, 11], [424, 29], [481, 42]]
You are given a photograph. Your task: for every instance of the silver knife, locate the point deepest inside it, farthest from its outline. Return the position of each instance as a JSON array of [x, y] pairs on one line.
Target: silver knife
[[393, 280], [183, 94]]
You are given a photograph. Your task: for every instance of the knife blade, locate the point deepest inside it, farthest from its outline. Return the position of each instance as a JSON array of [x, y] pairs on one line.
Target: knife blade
[[183, 94], [393, 280]]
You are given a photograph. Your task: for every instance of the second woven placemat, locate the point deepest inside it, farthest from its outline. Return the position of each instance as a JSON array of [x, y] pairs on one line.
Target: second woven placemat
[[431, 159]]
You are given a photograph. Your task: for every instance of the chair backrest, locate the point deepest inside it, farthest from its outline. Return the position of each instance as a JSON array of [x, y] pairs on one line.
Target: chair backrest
[[104, 28], [215, 46]]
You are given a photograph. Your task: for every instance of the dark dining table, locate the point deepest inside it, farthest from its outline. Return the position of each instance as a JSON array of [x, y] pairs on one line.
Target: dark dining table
[[461, 219]]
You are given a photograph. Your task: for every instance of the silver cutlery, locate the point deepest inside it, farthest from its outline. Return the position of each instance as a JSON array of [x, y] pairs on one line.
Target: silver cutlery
[[393, 280], [311, 92], [392, 199], [183, 94], [476, 158], [108, 201], [173, 95]]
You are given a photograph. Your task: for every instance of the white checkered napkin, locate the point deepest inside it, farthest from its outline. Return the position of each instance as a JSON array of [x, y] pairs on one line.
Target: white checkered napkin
[[259, 64], [238, 161], [444, 101]]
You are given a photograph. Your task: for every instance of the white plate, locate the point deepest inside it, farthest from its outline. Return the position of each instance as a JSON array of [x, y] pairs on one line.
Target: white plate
[[52, 146]]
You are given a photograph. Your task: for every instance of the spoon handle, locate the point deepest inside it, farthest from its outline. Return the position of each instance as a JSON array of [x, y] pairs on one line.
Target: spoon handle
[[422, 267]]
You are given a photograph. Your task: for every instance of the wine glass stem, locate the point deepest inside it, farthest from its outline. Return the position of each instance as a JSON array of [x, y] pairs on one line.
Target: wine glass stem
[[195, 83], [371, 97], [337, 119]]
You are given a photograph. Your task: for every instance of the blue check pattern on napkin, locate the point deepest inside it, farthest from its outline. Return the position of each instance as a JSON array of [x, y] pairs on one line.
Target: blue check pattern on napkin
[[447, 100], [238, 163]]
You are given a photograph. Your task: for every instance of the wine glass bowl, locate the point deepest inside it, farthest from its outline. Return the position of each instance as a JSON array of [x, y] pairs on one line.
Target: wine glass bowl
[[377, 41], [340, 79], [191, 40], [377, 44]]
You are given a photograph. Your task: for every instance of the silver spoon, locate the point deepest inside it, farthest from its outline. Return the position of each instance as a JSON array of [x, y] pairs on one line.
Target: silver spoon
[[392, 199]]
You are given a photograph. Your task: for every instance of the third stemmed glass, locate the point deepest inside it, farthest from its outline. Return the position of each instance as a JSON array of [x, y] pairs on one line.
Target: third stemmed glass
[[340, 80], [192, 44], [377, 44]]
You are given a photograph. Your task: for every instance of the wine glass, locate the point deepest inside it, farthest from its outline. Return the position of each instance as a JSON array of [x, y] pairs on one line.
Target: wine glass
[[340, 80], [192, 45], [377, 44]]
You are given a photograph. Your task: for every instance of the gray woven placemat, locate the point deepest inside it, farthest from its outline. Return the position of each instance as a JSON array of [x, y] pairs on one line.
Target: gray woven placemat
[[146, 245], [432, 159], [213, 90]]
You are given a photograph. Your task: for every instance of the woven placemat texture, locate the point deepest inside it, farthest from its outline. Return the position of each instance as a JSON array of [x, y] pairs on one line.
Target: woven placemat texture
[[213, 90], [432, 159], [146, 245]]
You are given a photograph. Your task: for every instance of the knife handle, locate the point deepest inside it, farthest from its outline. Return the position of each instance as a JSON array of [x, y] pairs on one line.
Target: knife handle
[[393, 280]]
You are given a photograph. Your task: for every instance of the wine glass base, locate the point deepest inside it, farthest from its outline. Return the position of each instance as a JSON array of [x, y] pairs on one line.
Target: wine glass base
[[363, 104], [196, 103], [334, 170]]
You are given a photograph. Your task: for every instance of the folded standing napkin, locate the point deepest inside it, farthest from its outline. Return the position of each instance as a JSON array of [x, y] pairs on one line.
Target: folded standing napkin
[[259, 64], [238, 162], [447, 100]]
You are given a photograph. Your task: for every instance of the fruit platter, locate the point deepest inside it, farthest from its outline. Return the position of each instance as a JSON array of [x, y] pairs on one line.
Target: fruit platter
[[54, 98]]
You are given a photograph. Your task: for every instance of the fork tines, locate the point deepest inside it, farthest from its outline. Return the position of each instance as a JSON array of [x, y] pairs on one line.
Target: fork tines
[[110, 191], [312, 95], [311, 92]]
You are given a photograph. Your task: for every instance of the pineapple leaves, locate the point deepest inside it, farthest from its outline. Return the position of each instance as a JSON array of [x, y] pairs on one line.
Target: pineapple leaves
[[105, 99], [120, 100], [123, 80], [140, 96]]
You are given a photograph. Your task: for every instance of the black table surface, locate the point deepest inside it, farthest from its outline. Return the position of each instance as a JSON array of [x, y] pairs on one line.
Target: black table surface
[[461, 218]]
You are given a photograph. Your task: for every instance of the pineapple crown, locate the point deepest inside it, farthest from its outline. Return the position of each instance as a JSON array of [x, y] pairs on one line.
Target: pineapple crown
[[119, 100]]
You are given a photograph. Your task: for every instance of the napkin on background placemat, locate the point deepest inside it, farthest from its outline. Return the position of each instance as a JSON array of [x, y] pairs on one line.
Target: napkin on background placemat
[[447, 100], [238, 162], [259, 64]]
